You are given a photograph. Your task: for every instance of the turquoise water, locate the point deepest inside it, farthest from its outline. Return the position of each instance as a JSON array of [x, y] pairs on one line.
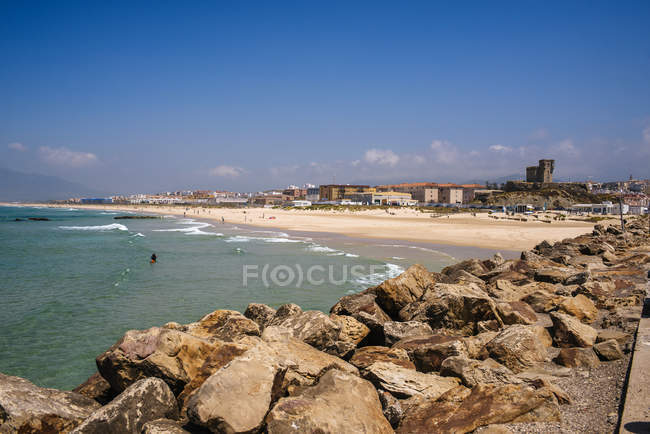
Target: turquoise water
[[70, 287]]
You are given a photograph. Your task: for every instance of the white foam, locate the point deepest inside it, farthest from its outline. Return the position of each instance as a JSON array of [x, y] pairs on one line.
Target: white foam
[[397, 258], [108, 213], [321, 249], [424, 249], [351, 255], [374, 279], [138, 235], [103, 228], [194, 230], [246, 239]]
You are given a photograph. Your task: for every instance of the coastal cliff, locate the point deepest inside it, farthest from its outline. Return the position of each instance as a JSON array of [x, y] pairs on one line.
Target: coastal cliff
[[484, 345]]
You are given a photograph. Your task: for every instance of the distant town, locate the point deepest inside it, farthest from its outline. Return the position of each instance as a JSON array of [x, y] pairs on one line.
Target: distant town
[[631, 196]]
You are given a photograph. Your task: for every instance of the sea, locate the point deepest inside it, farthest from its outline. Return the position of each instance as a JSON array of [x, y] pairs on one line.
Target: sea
[[72, 285]]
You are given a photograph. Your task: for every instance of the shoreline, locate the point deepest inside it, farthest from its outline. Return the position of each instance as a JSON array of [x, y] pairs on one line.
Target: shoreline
[[458, 230]]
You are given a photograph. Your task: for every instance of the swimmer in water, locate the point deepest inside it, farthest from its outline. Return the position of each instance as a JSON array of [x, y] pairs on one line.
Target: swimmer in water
[[153, 258]]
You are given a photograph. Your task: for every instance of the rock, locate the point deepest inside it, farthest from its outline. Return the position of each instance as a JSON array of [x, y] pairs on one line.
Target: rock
[[163, 426], [475, 345], [516, 312], [552, 275], [404, 383], [517, 347], [224, 325], [608, 350], [395, 330], [580, 307], [472, 266], [474, 372], [614, 230], [578, 278], [236, 398], [543, 301], [260, 313], [95, 387], [391, 407], [569, 331], [366, 356], [363, 308], [285, 311], [351, 334], [462, 410], [428, 352], [325, 408], [142, 402], [314, 328], [393, 294], [455, 308], [27, 408], [621, 337], [543, 335], [462, 277], [172, 355], [577, 358], [305, 363]]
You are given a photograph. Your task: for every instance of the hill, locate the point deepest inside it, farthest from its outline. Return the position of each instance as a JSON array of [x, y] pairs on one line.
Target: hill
[[29, 187]]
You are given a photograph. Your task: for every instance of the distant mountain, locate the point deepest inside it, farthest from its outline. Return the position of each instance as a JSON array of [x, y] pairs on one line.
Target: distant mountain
[[25, 187]]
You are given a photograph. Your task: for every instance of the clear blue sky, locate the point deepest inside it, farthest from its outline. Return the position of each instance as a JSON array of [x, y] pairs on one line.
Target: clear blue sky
[[147, 96]]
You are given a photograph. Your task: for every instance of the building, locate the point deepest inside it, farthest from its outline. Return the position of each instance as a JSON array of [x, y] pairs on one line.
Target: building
[[335, 192], [270, 199], [313, 194], [469, 191], [542, 173], [450, 193], [97, 200], [383, 198], [422, 192]]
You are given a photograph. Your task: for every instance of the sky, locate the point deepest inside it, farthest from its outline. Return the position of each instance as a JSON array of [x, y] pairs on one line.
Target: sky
[[142, 96]]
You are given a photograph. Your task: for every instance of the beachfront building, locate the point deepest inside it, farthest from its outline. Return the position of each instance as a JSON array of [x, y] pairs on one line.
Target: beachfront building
[[469, 191], [313, 194], [598, 208], [422, 192], [383, 198], [301, 203], [269, 199], [450, 193], [337, 192]]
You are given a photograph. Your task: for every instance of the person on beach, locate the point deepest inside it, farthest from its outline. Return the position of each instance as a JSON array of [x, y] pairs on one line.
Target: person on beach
[[222, 220], [153, 258]]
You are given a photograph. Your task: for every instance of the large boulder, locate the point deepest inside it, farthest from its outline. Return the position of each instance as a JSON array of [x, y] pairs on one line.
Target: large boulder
[[327, 408], [305, 364], [608, 350], [364, 309], [472, 266], [395, 331], [223, 325], [405, 383], [462, 410], [27, 408], [568, 331], [475, 372], [97, 388], [393, 294], [366, 356], [351, 335], [236, 398], [577, 358], [314, 328], [142, 402], [543, 301], [163, 426], [260, 313], [580, 307], [457, 309], [518, 347], [428, 352], [516, 312], [172, 355]]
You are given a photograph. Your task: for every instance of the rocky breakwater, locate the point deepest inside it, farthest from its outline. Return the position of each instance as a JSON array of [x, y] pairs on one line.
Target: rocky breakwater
[[483, 342]]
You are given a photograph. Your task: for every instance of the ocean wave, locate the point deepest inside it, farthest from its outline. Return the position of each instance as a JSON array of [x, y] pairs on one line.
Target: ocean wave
[[397, 258], [424, 249], [351, 255], [104, 228], [276, 233], [246, 239], [108, 213], [194, 230], [321, 249], [374, 279], [138, 235]]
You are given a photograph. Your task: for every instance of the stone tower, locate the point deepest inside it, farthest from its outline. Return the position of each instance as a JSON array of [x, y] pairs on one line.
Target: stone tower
[[542, 173]]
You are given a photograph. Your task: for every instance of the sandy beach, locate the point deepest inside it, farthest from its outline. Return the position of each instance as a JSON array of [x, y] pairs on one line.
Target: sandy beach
[[464, 229]]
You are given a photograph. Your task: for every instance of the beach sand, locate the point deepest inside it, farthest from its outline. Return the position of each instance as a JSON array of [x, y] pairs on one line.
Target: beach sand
[[406, 224]]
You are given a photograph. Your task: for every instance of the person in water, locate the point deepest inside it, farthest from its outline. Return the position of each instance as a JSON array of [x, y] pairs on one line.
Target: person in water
[[153, 258]]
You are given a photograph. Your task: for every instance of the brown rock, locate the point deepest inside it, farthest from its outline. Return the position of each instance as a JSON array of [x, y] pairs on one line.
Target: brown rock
[[163, 426], [27, 408], [608, 350], [260, 313], [314, 328], [463, 410], [580, 307], [543, 301], [393, 294], [364, 309], [476, 344], [543, 335], [428, 352], [142, 402], [472, 266], [474, 372], [404, 383], [621, 337], [517, 347], [95, 387], [366, 356], [285, 311], [395, 331], [516, 312], [577, 358], [391, 407], [236, 398], [351, 334], [569, 331], [223, 325], [325, 408]]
